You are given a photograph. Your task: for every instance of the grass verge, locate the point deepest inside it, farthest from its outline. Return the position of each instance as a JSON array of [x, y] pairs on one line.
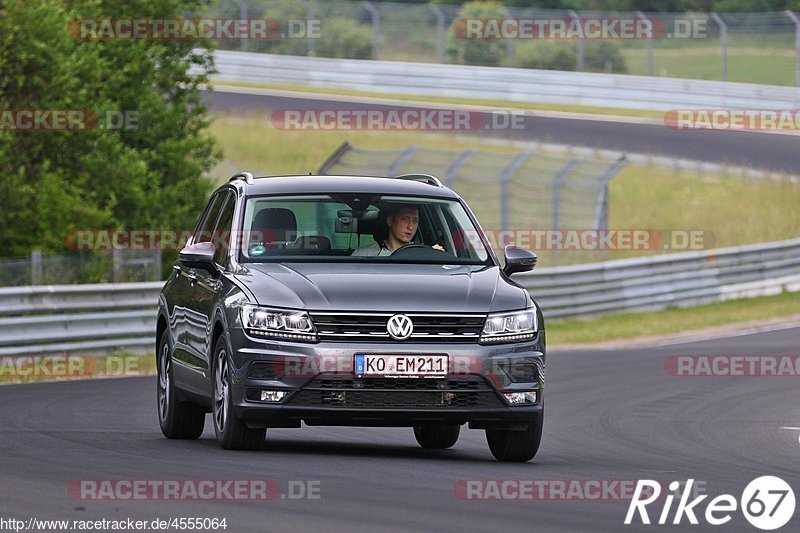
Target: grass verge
[[677, 320]]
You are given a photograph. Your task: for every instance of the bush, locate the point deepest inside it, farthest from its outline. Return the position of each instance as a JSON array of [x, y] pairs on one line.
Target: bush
[[486, 52], [345, 38], [563, 55]]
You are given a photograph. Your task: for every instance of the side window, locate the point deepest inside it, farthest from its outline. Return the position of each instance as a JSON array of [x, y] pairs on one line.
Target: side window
[[204, 230], [222, 233]]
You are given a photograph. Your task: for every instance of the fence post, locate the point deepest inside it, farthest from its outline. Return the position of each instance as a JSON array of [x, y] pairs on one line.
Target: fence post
[[117, 266], [601, 214], [242, 16], [578, 44], [408, 153], [642, 16], [157, 258], [509, 42], [309, 17], [796, 21], [459, 161], [36, 267], [376, 28], [505, 181], [723, 45], [558, 181], [440, 31]]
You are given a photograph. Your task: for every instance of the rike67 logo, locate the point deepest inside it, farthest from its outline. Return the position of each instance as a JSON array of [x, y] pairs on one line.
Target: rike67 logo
[[767, 503]]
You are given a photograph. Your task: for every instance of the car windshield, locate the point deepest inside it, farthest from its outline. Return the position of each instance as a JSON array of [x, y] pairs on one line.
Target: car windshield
[[359, 228]]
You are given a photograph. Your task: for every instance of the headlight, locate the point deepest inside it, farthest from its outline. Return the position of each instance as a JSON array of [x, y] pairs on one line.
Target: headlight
[[277, 324], [510, 327]]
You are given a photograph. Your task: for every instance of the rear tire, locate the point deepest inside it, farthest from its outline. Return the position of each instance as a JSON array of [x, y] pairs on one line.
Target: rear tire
[[515, 446], [232, 432], [178, 420], [436, 437]]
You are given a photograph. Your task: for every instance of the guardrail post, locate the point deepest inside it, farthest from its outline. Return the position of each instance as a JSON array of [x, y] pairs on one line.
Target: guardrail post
[[441, 32], [309, 17], [796, 21], [376, 28], [642, 16], [578, 44], [558, 181], [36, 267], [723, 45], [505, 181], [242, 16]]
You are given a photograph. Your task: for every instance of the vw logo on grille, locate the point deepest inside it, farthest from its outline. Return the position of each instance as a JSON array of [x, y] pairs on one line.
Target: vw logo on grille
[[400, 327]]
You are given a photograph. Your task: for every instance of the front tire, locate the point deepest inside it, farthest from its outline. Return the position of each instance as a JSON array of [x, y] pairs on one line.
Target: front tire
[[437, 437], [514, 445], [178, 420], [232, 432]]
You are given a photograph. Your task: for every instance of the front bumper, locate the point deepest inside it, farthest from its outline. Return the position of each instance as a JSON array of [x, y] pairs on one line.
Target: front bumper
[[323, 390]]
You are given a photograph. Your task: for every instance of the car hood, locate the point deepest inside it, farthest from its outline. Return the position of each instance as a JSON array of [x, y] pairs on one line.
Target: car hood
[[390, 287]]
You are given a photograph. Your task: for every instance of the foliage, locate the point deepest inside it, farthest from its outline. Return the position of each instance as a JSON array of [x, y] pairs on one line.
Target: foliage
[[149, 174]]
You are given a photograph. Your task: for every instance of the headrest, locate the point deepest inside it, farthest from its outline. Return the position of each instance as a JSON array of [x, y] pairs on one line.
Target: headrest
[[276, 224]]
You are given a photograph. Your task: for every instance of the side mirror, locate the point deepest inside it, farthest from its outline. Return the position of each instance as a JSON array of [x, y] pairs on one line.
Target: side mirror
[[199, 255], [518, 260]]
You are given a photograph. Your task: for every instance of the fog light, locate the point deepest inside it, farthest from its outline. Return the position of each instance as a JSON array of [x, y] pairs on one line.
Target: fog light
[[272, 395], [520, 398]]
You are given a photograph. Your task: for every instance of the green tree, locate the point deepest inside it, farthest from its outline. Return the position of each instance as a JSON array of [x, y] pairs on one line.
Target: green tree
[[150, 175]]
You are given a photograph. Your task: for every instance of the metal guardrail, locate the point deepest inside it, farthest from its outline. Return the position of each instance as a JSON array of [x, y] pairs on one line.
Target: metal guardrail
[[434, 33], [97, 318], [78, 318], [512, 84], [674, 280]]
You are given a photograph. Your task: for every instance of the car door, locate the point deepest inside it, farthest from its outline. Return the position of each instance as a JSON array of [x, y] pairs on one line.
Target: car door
[[186, 323], [207, 286]]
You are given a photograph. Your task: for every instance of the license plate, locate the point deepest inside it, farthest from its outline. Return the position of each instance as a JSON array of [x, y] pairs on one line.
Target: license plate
[[401, 366]]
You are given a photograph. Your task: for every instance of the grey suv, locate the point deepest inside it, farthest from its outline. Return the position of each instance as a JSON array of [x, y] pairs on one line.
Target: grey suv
[[348, 300]]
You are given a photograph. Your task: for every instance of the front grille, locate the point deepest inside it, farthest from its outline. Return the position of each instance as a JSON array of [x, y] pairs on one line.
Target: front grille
[[372, 327], [397, 393]]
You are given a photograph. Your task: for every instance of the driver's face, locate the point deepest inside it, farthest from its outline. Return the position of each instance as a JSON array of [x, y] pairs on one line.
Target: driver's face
[[403, 226]]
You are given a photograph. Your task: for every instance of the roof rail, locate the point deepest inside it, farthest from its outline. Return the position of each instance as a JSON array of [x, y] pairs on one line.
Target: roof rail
[[424, 178], [246, 176]]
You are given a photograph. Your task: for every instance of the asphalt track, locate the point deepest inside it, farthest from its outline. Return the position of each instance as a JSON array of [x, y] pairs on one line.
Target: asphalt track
[[758, 150], [611, 415]]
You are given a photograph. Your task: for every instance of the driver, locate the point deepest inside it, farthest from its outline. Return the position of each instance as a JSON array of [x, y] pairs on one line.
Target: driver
[[403, 221]]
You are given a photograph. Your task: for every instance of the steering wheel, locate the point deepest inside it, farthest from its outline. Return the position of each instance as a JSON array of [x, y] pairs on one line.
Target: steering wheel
[[414, 246]]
